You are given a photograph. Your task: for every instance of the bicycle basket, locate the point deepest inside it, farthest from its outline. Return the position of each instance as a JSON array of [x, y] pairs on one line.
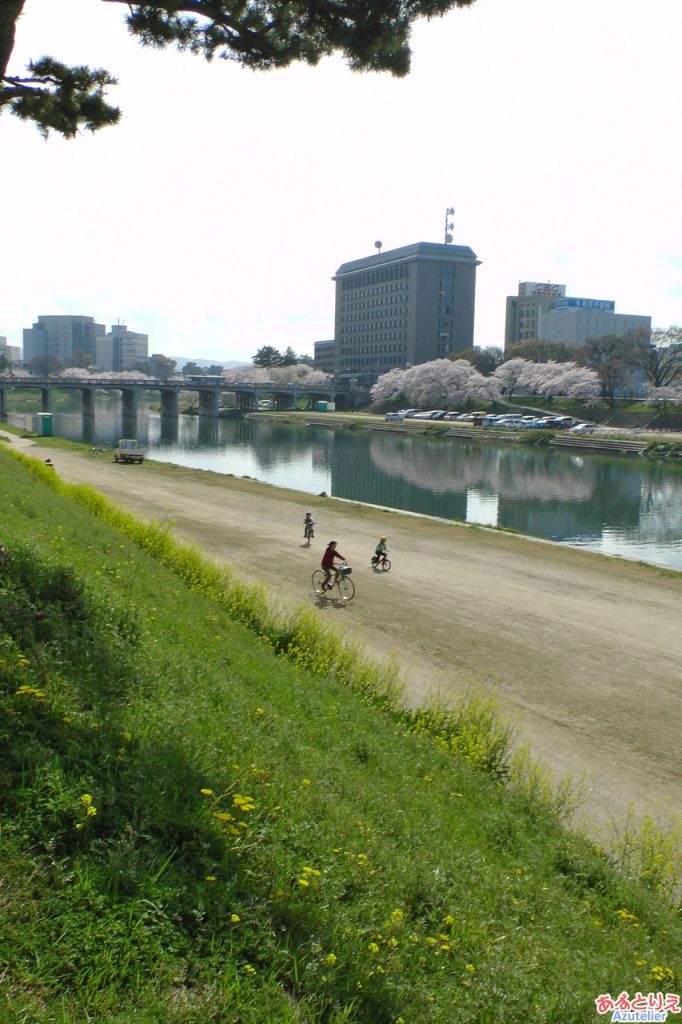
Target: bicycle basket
[[345, 569]]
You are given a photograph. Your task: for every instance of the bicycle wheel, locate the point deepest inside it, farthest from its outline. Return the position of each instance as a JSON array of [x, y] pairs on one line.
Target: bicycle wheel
[[318, 581], [386, 565], [346, 588]]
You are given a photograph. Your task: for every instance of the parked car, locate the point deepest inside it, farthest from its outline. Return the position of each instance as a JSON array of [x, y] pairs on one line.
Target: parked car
[[129, 450], [454, 415], [425, 414], [583, 428], [439, 414], [401, 414], [491, 420], [511, 421]]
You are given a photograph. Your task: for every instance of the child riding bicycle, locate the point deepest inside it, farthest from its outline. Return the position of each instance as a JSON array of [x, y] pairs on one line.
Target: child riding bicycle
[[379, 556], [308, 523]]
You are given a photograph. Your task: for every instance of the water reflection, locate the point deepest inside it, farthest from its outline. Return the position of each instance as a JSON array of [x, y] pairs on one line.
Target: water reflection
[[622, 506]]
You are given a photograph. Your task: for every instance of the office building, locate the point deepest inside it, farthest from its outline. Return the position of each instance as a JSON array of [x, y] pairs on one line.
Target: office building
[[323, 358], [403, 307], [522, 320], [544, 312], [573, 321], [121, 349], [12, 353], [63, 337]]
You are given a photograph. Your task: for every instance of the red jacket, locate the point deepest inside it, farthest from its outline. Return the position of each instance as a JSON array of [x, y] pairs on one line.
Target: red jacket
[[328, 558]]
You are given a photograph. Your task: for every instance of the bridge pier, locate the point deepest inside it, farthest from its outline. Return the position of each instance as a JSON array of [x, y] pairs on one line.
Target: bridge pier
[[3, 405], [129, 403], [209, 404], [245, 401], [170, 402], [45, 400], [88, 399]]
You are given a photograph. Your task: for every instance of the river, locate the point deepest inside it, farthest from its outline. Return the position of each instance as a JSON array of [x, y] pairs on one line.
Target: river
[[623, 506]]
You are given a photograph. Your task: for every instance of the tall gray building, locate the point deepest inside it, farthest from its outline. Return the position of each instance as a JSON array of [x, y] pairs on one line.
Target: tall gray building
[[403, 307], [62, 336], [121, 349]]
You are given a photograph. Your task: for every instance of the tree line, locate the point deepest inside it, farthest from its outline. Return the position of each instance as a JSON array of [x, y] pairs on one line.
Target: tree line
[[653, 358]]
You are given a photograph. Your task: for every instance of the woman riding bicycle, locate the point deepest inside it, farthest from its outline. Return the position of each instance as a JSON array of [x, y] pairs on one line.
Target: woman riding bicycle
[[328, 563]]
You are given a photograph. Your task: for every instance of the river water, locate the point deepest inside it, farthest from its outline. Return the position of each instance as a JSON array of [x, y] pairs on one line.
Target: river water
[[623, 506]]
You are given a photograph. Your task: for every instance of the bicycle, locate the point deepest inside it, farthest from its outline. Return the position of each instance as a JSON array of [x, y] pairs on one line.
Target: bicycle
[[381, 562], [308, 532], [341, 581]]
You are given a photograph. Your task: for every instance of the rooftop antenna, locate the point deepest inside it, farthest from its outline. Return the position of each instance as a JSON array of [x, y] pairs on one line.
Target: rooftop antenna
[[447, 237], [377, 246]]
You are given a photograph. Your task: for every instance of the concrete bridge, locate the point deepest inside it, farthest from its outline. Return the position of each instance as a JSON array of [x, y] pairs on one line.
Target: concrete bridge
[[209, 390]]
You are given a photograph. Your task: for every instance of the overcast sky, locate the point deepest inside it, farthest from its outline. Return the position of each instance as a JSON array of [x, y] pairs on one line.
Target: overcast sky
[[215, 215]]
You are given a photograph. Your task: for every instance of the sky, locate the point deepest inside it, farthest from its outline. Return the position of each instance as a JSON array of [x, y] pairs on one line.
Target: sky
[[214, 216]]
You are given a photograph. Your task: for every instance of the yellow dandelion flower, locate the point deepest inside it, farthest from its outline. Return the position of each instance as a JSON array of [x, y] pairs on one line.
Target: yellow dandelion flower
[[86, 799], [330, 959], [222, 816], [91, 811], [235, 918], [470, 968], [260, 711], [397, 916], [211, 878], [206, 792], [304, 882], [305, 782]]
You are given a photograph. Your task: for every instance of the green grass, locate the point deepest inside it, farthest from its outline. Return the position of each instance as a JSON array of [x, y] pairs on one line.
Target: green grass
[[209, 813]]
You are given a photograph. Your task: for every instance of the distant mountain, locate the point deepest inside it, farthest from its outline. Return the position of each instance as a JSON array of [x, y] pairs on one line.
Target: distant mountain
[[181, 360]]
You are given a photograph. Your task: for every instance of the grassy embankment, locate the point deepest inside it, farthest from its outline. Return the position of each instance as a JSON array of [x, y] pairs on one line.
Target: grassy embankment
[[211, 815]]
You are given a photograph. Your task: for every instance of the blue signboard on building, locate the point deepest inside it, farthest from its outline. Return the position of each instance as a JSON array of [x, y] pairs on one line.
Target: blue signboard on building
[[600, 305]]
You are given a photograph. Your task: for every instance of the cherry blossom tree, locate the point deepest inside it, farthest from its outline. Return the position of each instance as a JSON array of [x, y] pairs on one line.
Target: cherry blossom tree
[[482, 389], [508, 375], [389, 386]]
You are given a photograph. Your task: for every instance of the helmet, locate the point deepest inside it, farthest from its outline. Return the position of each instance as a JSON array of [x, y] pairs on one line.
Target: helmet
[[382, 540]]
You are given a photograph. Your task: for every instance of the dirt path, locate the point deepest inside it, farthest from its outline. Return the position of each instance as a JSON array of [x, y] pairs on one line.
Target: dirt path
[[587, 649]]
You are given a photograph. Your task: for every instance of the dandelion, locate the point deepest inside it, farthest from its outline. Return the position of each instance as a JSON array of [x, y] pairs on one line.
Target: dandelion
[[260, 711], [211, 878], [304, 882], [206, 792], [235, 918], [330, 959], [625, 915], [222, 816], [397, 916], [91, 811], [470, 968], [243, 803], [248, 969], [86, 799], [373, 948], [305, 782]]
